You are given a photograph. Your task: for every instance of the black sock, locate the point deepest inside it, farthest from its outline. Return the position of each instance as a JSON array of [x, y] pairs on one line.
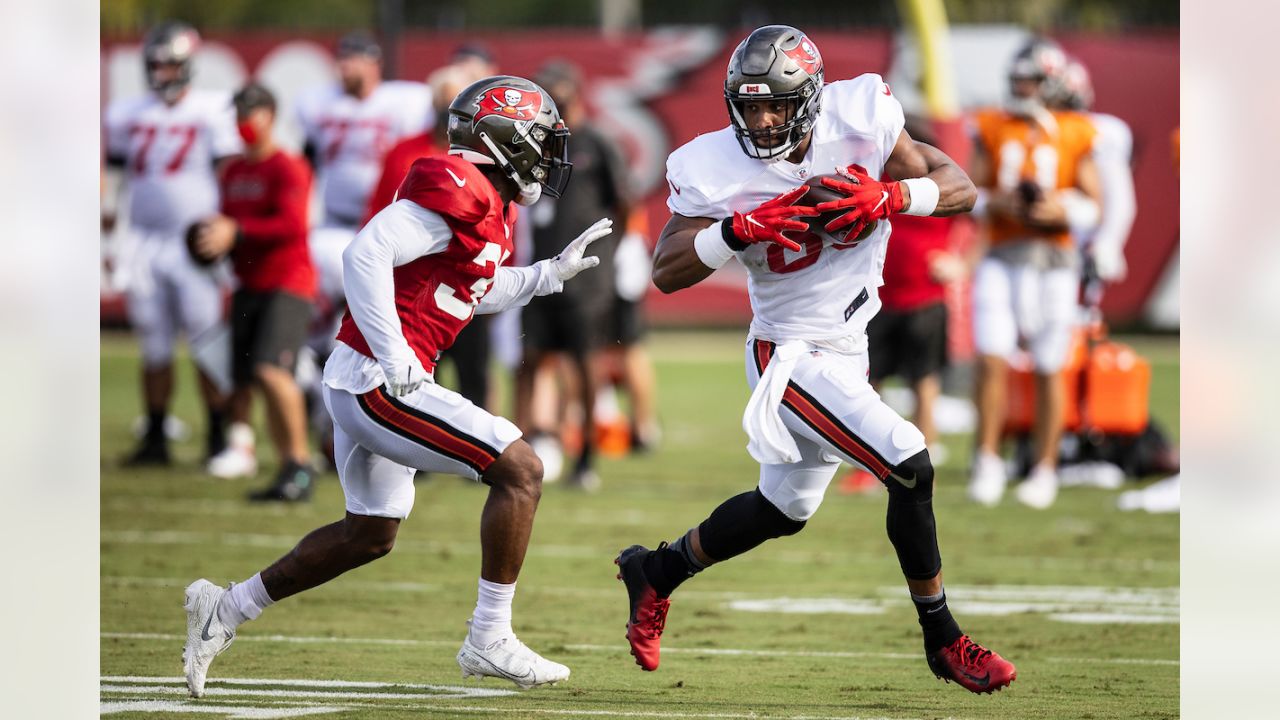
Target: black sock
[[217, 437], [940, 629], [670, 565], [155, 426]]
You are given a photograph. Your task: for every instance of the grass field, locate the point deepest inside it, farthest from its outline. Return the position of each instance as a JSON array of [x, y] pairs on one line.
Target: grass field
[[817, 625]]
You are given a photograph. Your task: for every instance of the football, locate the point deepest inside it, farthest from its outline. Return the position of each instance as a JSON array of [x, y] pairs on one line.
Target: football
[[193, 232], [819, 193]]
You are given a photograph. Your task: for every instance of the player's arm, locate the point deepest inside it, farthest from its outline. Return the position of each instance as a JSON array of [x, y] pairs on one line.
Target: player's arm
[[400, 234], [691, 248], [676, 264], [515, 286], [926, 182], [914, 160], [1119, 207]]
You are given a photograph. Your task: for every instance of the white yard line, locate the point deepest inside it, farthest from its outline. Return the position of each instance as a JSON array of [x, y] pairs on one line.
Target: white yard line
[[302, 639]]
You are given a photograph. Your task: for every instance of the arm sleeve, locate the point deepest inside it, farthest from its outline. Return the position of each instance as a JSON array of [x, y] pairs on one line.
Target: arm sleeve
[[1112, 150], [401, 233], [515, 286], [293, 189]]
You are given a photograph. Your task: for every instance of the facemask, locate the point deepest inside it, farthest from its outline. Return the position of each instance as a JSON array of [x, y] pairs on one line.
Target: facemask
[[529, 194], [248, 133]]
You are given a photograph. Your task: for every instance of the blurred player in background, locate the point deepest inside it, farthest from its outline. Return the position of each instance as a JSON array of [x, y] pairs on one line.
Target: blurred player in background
[[1113, 154], [416, 274], [348, 129], [571, 326], [1040, 181], [169, 144], [624, 361], [734, 194], [263, 227]]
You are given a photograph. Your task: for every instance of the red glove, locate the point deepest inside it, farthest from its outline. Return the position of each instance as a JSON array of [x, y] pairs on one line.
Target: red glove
[[767, 222], [867, 199]]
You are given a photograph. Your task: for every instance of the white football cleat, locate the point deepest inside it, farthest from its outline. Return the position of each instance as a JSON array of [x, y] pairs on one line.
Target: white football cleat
[[238, 459], [206, 635], [986, 484], [509, 659], [1040, 488]]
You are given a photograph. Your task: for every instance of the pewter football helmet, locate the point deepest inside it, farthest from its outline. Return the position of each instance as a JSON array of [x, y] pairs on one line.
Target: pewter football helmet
[[513, 123], [774, 63]]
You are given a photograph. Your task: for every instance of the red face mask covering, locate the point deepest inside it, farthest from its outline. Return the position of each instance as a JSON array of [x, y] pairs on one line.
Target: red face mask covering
[[248, 132]]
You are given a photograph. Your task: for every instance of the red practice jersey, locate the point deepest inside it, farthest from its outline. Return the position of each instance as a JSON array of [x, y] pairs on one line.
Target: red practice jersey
[[268, 199], [436, 294], [907, 284], [395, 166]]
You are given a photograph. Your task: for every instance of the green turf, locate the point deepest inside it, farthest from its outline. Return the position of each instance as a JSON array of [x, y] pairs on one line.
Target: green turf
[[404, 615]]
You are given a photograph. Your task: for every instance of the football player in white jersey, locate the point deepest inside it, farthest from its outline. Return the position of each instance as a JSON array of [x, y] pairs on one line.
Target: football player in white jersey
[[168, 144], [1113, 156], [349, 127], [733, 194]]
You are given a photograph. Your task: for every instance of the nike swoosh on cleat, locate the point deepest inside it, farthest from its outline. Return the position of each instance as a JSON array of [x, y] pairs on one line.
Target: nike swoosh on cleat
[[980, 681], [204, 634], [528, 674], [456, 179]]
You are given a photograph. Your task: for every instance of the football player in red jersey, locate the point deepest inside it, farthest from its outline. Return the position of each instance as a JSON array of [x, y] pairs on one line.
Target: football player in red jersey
[[415, 275]]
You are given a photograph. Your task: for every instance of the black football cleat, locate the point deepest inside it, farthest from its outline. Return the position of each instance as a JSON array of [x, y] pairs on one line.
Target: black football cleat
[[295, 483], [151, 452]]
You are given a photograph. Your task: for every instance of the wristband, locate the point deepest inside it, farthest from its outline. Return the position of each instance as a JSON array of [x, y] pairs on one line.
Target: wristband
[[726, 232], [711, 247], [924, 196]]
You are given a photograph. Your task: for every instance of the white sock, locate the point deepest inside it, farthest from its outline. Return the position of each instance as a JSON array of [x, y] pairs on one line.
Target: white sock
[[492, 619], [245, 601]]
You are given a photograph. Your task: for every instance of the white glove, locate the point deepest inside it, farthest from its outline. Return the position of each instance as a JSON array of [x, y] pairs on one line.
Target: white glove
[[403, 377], [1109, 262], [570, 261]]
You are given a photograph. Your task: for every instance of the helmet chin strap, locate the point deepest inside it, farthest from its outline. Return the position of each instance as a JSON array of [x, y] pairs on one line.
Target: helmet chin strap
[[529, 192]]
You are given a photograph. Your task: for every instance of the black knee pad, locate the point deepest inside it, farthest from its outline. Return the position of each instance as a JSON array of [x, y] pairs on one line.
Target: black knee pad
[[741, 523], [912, 479], [909, 520]]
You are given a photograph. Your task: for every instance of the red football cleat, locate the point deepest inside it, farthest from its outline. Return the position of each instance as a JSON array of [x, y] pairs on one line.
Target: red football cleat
[[976, 668], [648, 611]]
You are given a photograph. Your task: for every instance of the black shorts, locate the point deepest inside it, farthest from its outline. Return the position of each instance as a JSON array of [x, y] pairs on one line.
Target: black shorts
[[560, 323], [911, 344], [626, 326], [266, 328]]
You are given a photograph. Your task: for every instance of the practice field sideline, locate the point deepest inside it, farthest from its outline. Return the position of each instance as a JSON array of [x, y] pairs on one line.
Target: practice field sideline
[[1083, 598]]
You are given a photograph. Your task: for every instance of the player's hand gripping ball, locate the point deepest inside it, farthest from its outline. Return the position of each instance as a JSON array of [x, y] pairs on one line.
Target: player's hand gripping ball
[[819, 193]]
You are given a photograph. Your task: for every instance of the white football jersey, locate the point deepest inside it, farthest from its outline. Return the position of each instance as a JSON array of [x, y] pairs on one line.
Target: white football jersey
[[169, 154], [351, 136], [827, 289]]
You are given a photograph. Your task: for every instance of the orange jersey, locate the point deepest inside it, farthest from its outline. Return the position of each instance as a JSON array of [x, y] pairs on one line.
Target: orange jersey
[[1022, 151]]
